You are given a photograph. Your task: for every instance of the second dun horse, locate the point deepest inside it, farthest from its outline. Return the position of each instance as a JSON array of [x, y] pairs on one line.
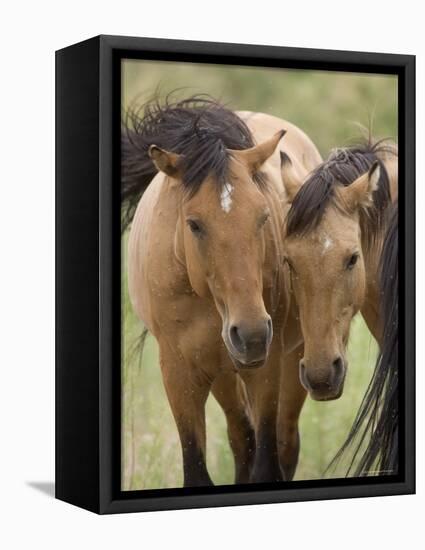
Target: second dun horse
[[333, 241], [206, 271]]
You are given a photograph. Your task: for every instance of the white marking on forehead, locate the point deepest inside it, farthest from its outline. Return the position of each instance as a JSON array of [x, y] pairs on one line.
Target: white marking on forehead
[[226, 197], [327, 243]]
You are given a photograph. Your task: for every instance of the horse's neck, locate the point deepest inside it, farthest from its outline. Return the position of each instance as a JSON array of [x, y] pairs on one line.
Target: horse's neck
[[276, 202], [274, 274], [169, 230], [370, 309]]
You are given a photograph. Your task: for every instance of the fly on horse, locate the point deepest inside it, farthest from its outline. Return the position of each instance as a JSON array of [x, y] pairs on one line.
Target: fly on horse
[[333, 240], [205, 267]]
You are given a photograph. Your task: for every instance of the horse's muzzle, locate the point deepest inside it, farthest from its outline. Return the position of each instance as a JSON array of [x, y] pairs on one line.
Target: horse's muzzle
[[248, 343], [326, 383]]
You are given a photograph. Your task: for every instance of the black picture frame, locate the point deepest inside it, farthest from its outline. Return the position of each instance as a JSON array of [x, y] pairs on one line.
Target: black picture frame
[[88, 272]]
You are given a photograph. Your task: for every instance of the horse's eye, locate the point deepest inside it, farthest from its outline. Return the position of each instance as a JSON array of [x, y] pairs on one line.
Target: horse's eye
[[194, 227], [352, 261]]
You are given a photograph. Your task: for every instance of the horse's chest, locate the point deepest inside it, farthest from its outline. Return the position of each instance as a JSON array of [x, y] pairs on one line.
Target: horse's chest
[[191, 325]]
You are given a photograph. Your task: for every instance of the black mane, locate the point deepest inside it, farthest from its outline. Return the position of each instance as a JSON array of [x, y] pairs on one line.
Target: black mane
[[342, 167], [198, 128]]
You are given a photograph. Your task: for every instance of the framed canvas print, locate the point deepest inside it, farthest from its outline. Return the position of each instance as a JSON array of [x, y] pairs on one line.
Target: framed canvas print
[[235, 274]]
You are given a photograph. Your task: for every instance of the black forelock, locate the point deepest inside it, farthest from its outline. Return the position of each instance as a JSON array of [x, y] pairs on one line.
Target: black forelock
[[342, 168]]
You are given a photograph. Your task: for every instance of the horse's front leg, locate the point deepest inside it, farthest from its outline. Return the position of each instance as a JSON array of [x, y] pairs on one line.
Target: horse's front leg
[[187, 389], [230, 394], [263, 392], [292, 397]]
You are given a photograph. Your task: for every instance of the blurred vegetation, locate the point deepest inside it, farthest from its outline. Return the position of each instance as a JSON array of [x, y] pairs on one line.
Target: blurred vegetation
[[327, 106]]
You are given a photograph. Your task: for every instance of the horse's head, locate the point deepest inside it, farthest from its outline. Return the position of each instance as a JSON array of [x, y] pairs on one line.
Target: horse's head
[[220, 238], [324, 252]]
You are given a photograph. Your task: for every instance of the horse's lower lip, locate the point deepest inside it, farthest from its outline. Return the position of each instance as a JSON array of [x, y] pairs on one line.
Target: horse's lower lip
[[243, 365], [332, 397], [248, 366]]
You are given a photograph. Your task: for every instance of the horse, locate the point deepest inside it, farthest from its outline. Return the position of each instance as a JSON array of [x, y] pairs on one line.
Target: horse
[[333, 237], [205, 267], [377, 418]]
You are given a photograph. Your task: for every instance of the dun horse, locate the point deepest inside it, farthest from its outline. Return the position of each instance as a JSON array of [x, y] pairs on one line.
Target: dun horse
[[205, 268], [333, 239]]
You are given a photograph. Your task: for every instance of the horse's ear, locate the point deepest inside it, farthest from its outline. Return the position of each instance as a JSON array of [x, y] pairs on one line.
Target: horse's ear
[[165, 161], [293, 176], [360, 192], [256, 156]]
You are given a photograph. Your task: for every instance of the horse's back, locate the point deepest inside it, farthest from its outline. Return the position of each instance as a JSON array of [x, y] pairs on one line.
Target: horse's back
[[296, 143]]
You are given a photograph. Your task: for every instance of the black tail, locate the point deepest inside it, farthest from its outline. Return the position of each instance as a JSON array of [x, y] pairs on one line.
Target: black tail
[[375, 428]]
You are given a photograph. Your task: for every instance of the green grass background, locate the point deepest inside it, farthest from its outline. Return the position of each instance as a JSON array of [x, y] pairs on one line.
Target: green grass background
[[327, 106]]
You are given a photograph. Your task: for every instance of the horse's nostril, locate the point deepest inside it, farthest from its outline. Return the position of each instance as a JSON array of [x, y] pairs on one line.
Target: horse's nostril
[[235, 338], [338, 365], [251, 341]]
